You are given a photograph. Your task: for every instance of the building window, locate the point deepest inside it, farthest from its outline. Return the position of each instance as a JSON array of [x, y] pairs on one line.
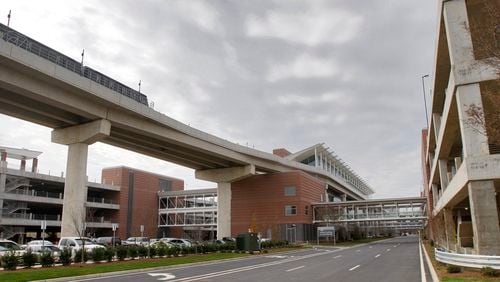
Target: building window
[[290, 191], [306, 210], [290, 210], [165, 185]]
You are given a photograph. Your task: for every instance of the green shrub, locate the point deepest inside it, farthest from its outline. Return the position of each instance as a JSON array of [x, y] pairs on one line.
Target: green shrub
[[491, 272], [152, 251], [46, 259], [142, 251], [10, 261], [265, 251], [431, 242], [97, 254], [132, 252], [78, 256], [29, 258], [109, 253], [65, 256], [161, 250], [121, 252], [453, 268]]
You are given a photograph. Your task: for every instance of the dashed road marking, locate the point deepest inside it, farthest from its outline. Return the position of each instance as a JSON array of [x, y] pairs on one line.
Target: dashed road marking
[[292, 269], [351, 269], [337, 256], [388, 250], [377, 255]]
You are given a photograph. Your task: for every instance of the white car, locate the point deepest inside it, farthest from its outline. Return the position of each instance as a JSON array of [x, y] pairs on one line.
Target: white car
[[136, 241], [36, 245], [7, 246], [76, 244], [180, 242]]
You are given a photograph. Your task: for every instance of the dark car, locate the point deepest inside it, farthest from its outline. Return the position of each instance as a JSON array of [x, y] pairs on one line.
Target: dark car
[[109, 241]]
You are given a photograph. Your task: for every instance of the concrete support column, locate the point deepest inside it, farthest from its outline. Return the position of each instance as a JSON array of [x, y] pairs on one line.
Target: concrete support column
[[34, 165], [78, 138], [435, 196], [344, 197], [23, 165], [223, 210], [4, 157], [450, 229], [75, 190], [474, 139], [484, 213], [224, 177], [443, 173], [458, 32]]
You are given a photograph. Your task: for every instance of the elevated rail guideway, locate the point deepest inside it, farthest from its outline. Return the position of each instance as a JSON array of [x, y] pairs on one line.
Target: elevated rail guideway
[[84, 106]]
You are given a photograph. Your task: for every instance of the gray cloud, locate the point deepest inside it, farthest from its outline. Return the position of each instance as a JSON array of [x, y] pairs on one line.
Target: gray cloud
[[267, 73]]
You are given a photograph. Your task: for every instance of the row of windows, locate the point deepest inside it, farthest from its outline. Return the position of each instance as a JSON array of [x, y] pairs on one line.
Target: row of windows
[[292, 210]]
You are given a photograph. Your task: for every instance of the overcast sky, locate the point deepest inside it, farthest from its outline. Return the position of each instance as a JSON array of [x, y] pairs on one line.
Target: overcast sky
[[265, 73]]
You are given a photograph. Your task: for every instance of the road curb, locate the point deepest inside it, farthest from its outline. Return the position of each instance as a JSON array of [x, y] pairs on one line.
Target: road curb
[[434, 275]]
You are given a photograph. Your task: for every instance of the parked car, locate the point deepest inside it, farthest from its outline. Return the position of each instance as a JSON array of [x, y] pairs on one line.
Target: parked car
[[181, 242], [136, 241], [76, 244], [160, 243], [7, 246], [36, 245], [109, 241], [39, 249]]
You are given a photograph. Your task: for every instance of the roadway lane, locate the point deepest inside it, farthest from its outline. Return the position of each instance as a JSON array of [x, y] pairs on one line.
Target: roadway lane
[[394, 259]]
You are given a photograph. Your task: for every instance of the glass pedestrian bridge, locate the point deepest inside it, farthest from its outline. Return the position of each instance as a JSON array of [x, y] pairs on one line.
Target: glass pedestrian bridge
[[399, 213]]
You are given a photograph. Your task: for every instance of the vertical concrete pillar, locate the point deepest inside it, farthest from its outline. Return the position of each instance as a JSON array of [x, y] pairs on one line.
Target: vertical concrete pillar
[[450, 229], [77, 138], [484, 213], [34, 166], [435, 196], [474, 139], [344, 197], [443, 173], [75, 190], [23, 165], [223, 210], [458, 32], [4, 156]]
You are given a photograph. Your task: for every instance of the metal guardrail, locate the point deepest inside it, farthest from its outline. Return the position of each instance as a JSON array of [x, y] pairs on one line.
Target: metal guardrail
[[474, 261]]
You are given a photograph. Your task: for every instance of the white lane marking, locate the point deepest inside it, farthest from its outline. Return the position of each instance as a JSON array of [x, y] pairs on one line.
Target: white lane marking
[[245, 268], [370, 247], [276, 256], [166, 276], [377, 255], [357, 251], [337, 256], [351, 269], [422, 269], [292, 269], [394, 246], [388, 250]]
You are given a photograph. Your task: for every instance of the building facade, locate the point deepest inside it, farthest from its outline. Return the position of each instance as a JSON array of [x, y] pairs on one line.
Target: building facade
[[27, 198], [462, 146], [138, 199], [276, 205]]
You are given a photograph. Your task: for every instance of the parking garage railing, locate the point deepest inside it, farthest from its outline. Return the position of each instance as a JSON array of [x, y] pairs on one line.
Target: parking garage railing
[[474, 261]]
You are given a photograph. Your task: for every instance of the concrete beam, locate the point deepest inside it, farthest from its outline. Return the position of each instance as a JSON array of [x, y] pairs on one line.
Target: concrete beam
[[86, 133], [225, 174]]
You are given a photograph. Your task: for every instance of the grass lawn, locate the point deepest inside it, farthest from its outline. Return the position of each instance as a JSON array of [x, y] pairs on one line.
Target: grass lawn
[[76, 270], [469, 275]]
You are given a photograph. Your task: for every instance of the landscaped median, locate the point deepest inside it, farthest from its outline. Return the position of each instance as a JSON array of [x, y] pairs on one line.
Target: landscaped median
[[448, 273], [133, 258]]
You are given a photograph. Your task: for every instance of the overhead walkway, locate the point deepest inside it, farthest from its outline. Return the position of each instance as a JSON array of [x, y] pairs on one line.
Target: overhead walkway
[[396, 213]]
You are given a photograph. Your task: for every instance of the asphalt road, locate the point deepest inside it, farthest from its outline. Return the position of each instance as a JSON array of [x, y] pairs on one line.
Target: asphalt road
[[394, 259]]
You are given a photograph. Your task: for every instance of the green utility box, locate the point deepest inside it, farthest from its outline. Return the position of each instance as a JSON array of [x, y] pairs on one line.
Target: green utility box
[[247, 242]]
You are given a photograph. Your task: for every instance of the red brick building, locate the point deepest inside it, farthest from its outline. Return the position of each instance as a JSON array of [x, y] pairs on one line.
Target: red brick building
[[276, 205], [138, 199]]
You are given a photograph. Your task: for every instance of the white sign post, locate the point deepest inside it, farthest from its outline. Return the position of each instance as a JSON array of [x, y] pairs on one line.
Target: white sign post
[[326, 231], [114, 226]]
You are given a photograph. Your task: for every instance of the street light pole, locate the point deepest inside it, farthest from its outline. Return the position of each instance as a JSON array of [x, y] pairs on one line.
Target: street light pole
[[425, 100]]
